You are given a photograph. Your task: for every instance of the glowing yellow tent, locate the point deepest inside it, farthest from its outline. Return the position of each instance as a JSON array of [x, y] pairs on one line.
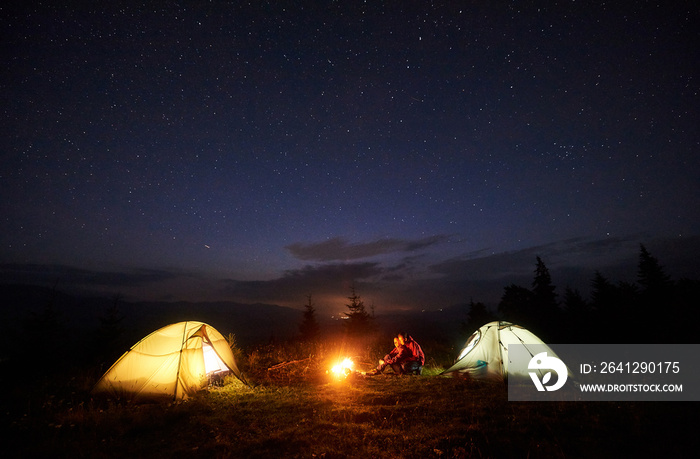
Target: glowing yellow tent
[[173, 362]]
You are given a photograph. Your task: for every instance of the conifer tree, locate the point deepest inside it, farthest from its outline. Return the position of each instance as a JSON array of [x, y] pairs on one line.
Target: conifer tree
[[111, 331], [543, 290], [516, 305], [477, 316], [545, 309], [358, 320], [602, 293], [309, 327], [656, 297], [651, 275]]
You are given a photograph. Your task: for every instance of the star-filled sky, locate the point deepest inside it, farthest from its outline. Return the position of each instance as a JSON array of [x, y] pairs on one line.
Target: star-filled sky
[[264, 151]]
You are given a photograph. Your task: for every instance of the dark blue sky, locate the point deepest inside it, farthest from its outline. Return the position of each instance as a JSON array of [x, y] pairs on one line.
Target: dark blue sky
[[219, 150]]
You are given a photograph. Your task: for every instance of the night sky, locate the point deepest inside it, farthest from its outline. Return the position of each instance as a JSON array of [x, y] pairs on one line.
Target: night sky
[[426, 153]]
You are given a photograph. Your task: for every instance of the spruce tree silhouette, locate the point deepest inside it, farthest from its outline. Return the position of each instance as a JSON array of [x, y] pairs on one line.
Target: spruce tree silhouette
[[656, 303], [309, 327], [516, 305], [110, 341], [651, 275], [545, 309], [477, 315], [358, 321]]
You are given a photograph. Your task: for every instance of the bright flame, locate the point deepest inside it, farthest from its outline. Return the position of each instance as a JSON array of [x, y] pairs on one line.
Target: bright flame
[[343, 369]]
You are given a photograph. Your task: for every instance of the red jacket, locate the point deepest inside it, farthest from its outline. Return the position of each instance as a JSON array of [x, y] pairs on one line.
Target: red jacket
[[416, 351], [394, 354]]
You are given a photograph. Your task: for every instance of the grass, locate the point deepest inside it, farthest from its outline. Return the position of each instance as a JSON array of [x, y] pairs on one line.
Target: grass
[[299, 411]]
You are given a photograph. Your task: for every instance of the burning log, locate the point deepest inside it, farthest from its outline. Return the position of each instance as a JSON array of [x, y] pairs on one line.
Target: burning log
[[284, 364]]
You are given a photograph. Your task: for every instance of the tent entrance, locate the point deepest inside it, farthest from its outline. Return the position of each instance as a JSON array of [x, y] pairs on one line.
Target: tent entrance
[[214, 367]]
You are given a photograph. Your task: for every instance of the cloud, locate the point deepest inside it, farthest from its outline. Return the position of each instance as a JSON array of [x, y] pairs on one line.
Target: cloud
[[339, 249], [577, 252], [329, 279], [410, 282], [413, 281], [56, 274], [572, 263]]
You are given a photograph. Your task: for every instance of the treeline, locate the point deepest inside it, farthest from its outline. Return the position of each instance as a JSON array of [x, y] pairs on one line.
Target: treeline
[[357, 321], [654, 309]]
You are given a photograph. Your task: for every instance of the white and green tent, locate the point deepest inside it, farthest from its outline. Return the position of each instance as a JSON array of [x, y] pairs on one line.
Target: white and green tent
[[173, 362], [485, 354]]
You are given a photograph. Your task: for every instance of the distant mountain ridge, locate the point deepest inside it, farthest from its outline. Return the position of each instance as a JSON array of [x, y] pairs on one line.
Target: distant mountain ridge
[[251, 324]]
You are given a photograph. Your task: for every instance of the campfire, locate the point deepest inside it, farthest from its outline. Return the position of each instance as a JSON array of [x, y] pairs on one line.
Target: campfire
[[342, 369]]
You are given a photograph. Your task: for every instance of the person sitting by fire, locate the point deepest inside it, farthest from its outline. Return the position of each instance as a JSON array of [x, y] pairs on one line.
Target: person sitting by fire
[[388, 360], [413, 363], [406, 357]]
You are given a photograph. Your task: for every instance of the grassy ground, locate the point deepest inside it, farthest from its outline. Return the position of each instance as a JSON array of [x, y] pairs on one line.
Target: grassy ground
[[386, 416]]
